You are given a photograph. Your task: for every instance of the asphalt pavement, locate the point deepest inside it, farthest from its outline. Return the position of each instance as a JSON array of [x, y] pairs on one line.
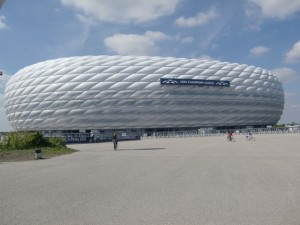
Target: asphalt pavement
[[169, 181]]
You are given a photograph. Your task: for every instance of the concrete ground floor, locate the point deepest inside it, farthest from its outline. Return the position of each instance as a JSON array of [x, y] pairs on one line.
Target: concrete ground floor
[[175, 181]]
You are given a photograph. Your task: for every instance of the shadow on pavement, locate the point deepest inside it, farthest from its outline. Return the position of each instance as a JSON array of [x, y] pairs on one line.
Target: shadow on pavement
[[140, 149]]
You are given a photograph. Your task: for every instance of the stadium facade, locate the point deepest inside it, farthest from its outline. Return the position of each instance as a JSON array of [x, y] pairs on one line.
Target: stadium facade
[[134, 92]]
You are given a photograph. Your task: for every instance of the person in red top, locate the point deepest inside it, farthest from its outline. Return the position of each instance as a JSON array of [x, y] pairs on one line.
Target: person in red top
[[229, 136]]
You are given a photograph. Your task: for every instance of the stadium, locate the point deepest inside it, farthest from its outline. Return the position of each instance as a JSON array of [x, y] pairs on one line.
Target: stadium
[[134, 92]]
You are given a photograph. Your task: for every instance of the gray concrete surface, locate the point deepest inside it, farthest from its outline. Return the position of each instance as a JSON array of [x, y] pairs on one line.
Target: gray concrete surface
[[159, 181]]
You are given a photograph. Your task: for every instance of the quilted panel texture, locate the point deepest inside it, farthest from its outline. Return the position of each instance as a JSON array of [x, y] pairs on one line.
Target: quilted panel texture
[[119, 92]]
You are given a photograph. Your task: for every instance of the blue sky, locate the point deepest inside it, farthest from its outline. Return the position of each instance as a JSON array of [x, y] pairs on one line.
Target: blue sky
[[254, 32]]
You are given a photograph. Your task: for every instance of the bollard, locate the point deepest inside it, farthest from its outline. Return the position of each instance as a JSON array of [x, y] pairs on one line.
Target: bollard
[[38, 153]]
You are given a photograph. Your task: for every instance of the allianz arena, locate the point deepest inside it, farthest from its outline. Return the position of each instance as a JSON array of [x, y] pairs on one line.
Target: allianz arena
[[124, 92]]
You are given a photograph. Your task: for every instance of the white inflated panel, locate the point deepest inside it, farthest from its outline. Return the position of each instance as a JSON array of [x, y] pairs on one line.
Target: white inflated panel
[[111, 92]]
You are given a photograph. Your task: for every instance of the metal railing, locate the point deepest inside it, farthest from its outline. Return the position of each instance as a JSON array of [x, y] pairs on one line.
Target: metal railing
[[214, 133]]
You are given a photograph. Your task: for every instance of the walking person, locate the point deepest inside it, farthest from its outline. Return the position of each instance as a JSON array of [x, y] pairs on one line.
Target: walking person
[[115, 141]]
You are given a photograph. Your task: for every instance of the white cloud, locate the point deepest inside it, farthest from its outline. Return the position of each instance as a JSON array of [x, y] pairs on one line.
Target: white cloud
[[200, 19], [207, 57], [293, 55], [1, 100], [187, 40], [183, 40], [259, 50], [88, 21], [3, 80], [290, 94], [254, 16], [80, 38], [4, 77], [156, 35], [285, 75], [295, 106], [2, 23], [3, 120], [124, 11], [277, 9], [5, 126], [134, 44], [291, 108]]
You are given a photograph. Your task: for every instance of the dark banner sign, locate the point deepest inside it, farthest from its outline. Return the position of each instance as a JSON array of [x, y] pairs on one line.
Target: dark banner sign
[[77, 138], [177, 81]]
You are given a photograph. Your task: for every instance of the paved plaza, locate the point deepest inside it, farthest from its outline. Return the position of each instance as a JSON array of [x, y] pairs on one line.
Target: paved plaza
[[167, 181]]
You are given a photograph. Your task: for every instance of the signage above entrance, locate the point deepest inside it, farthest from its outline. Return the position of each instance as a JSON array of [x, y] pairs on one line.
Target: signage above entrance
[[177, 81]]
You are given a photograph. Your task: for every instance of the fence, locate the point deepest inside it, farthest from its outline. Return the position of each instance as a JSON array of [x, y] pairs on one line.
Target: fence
[[86, 137], [212, 133]]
